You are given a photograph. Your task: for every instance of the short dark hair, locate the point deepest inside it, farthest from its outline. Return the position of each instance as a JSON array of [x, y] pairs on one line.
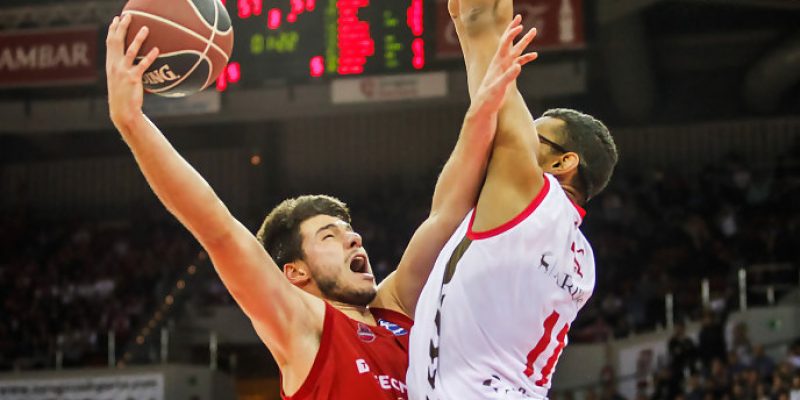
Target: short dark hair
[[280, 232], [591, 140]]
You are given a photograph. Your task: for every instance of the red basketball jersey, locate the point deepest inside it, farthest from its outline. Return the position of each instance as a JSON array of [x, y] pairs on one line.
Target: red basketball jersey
[[359, 361]]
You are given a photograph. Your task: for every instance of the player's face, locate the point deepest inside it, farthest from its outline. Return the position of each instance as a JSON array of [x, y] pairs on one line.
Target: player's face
[[548, 150], [337, 261]]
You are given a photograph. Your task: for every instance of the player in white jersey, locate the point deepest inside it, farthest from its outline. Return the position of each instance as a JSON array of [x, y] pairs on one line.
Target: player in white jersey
[[493, 318]]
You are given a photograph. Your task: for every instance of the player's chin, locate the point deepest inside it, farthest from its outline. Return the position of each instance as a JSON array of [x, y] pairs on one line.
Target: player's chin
[[362, 295], [364, 283]]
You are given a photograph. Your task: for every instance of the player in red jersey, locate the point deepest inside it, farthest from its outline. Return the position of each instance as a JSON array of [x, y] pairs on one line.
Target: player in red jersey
[[333, 333]]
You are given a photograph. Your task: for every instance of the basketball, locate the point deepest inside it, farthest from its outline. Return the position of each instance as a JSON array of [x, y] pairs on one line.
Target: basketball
[[195, 39]]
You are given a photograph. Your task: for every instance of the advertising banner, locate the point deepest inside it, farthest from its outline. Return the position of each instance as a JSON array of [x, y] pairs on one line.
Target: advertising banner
[[48, 57]]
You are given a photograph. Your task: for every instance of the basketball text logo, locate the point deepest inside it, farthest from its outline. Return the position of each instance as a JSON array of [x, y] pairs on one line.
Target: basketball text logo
[[160, 76]]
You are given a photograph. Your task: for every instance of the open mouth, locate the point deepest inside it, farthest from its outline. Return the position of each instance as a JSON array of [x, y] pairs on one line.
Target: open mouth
[[359, 264]]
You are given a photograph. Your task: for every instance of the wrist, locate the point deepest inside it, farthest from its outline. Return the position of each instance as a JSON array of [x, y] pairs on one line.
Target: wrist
[[475, 113], [125, 121], [479, 127]]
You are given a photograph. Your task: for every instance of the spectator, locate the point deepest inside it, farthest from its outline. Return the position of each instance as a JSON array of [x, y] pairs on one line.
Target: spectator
[[682, 353], [741, 345], [711, 339], [762, 363], [794, 355]]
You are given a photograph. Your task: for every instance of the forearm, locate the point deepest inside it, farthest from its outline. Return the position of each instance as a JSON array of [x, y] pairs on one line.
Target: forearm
[[181, 189], [480, 28], [459, 183]]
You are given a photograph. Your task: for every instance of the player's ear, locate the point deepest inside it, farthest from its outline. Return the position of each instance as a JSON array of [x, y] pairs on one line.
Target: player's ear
[[566, 163], [297, 273]]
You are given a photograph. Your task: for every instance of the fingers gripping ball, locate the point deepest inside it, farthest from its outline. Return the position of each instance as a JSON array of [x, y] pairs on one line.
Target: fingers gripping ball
[[195, 39]]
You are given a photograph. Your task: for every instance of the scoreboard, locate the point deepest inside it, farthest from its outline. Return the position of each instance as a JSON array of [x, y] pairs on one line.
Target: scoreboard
[[300, 40]]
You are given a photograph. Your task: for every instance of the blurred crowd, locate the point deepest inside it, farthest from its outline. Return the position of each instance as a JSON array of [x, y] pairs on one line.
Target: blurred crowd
[[65, 285], [660, 232], [708, 368]]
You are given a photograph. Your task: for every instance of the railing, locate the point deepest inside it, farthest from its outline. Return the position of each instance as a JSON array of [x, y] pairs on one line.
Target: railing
[[583, 391], [783, 278]]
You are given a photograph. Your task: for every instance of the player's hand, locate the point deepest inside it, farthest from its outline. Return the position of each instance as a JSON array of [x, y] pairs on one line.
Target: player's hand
[[504, 68], [124, 76]]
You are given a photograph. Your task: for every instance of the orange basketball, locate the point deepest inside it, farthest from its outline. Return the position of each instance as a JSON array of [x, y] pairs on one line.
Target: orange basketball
[[195, 39]]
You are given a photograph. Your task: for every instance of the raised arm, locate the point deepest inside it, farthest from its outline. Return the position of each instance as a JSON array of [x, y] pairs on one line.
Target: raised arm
[[278, 310], [514, 176], [460, 181]]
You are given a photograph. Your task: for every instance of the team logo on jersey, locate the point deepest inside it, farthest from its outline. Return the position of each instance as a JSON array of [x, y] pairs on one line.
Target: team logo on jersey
[[365, 334], [397, 330]]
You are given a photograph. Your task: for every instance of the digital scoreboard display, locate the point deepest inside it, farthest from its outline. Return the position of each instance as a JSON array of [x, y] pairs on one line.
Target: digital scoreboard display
[[302, 40]]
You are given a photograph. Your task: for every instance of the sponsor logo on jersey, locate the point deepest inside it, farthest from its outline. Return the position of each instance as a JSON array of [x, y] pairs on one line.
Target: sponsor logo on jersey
[[386, 382], [365, 334], [362, 366], [549, 265], [397, 330]]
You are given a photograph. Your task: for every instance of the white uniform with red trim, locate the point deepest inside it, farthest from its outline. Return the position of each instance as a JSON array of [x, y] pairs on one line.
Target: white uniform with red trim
[[493, 317]]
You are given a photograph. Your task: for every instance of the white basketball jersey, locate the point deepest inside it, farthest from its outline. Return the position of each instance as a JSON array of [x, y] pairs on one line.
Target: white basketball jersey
[[493, 317]]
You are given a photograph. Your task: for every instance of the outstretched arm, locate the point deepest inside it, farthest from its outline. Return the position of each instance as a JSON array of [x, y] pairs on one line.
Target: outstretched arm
[[514, 176], [278, 310], [460, 181]]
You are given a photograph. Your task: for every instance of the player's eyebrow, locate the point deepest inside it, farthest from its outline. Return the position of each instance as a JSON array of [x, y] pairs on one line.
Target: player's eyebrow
[[335, 225]]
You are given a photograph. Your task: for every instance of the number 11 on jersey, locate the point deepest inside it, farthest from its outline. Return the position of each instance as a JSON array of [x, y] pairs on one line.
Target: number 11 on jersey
[[541, 345]]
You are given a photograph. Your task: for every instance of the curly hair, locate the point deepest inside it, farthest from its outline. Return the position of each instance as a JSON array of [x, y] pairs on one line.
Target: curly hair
[[280, 232]]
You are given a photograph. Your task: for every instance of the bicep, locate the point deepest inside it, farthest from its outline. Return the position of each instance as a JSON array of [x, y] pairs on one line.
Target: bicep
[[513, 180], [274, 306]]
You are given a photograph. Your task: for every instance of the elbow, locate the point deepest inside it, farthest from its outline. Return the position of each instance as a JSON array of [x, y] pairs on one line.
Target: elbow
[[477, 20], [485, 17]]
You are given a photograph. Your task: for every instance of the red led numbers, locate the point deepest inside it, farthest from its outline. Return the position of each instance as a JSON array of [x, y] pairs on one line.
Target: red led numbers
[[415, 22], [354, 39], [231, 74], [317, 66], [249, 8]]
